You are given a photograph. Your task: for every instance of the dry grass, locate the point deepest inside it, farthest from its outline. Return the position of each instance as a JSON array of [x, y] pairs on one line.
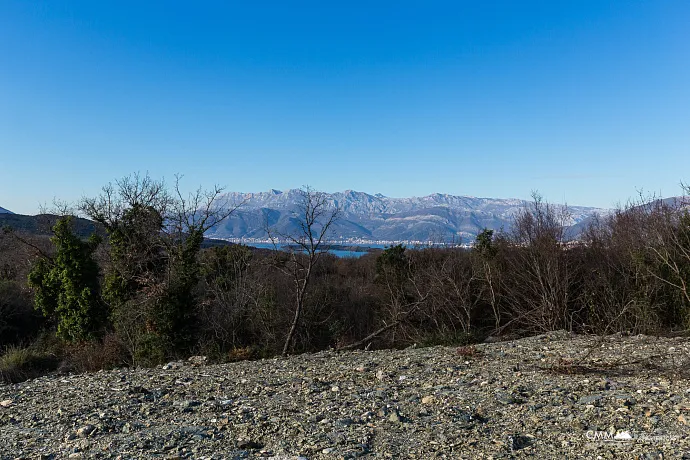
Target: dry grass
[[22, 363]]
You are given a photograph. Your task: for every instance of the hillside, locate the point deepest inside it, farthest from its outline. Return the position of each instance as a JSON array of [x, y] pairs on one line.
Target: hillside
[[437, 217], [499, 400], [41, 224]]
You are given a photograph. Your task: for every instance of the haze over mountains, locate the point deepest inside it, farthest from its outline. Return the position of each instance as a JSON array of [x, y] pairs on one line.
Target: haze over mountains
[[438, 217]]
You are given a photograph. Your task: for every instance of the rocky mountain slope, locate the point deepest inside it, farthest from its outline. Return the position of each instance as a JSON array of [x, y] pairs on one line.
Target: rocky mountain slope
[[550, 396], [437, 217]]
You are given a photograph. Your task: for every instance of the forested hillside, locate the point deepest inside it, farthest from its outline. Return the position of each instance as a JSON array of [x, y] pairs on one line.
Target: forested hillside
[[145, 288]]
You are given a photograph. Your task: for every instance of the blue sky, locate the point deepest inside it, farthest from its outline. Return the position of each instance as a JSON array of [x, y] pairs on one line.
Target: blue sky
[[586, 101]]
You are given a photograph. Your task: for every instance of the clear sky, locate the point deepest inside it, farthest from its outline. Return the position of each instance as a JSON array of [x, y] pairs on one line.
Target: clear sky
[[586, 101]]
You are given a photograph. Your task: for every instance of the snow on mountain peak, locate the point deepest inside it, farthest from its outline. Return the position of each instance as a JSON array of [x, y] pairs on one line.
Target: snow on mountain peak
[[383, 218]]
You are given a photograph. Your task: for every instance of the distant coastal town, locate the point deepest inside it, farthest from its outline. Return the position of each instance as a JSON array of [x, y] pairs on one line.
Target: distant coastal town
[[351, 242]]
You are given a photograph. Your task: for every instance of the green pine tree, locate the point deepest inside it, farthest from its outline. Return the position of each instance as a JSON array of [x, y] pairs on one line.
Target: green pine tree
[[66, 287]]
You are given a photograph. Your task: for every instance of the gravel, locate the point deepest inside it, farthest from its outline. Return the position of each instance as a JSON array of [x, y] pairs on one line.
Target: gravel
[[549, 396]]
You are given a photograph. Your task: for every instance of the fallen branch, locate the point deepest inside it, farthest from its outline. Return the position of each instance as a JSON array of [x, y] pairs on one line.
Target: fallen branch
[[380, 331]]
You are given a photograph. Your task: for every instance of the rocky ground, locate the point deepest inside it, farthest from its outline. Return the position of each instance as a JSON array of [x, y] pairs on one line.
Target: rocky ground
[[549, 396]]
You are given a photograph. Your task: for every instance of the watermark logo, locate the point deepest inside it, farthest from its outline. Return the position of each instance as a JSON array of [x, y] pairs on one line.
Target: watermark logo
[[627, 436]]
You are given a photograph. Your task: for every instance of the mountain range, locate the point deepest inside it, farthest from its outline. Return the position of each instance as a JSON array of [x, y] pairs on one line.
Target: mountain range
[[364, 217], [433, 218]]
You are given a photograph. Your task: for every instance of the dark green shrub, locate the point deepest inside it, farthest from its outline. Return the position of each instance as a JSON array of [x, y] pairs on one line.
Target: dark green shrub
[[66, 287]]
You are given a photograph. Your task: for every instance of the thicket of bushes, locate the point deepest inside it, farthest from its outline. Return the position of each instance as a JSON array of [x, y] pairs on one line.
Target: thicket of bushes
[[148, 292]]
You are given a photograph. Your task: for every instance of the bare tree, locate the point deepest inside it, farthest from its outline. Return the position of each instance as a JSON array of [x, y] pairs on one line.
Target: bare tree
[[449, 279], [615, 293], [403, 292], [155, 236], [198, 211], [167, 218], [228, 294], [487, 273], [542, 276], [668, 243], [18, 321], [116, 200], [315, 217]]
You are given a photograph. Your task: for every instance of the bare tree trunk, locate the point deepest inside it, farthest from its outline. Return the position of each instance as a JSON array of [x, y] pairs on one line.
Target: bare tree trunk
[[317, 217], [298, 311]]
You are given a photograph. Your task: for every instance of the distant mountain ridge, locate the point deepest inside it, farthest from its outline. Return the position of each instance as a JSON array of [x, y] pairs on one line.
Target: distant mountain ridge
[[437, 217], [42, 224], [5, 211]]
